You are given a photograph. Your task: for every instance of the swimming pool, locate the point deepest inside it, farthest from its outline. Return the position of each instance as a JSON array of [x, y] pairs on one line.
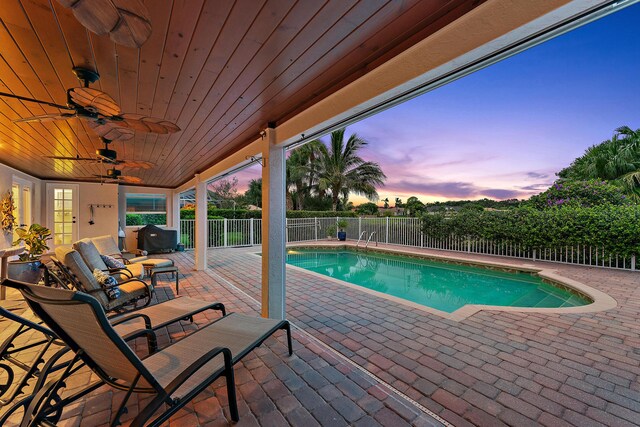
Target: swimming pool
[[439, 285]]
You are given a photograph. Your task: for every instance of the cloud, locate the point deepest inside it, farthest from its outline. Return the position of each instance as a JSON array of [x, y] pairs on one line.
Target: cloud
[[536, 187], [498, 193], [445, 189], [537, 175]]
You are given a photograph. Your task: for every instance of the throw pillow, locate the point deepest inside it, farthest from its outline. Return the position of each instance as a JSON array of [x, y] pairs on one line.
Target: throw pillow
[[111, 262], [108, 283]]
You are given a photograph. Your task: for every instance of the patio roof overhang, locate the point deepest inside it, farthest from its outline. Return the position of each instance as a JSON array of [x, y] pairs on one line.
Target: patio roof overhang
[[237, 90], [224, 70]]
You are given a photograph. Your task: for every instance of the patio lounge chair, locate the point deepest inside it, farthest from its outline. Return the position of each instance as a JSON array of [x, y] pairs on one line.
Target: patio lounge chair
[[28, 334], [106, 245], [92, 258], [80, 276], [173, 375]]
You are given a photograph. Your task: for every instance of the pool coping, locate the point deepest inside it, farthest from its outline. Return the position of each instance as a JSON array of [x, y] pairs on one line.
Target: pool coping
[[601, 301]]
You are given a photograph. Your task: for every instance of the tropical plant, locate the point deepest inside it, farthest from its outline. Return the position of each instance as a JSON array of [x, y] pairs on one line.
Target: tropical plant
[[616, 160], [331, 231], [253, 195], [7, 211], [342, 224], [302, 171], [579, 193], [35, 241], [368, 208], [343, 171], [414, 206]]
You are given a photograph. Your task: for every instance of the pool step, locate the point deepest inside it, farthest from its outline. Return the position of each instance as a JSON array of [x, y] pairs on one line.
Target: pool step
[[530, 299], [551, 301]]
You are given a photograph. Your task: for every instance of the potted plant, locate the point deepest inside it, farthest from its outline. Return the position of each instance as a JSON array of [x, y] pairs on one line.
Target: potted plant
[[331, 232], [27, 269], [342, 226]]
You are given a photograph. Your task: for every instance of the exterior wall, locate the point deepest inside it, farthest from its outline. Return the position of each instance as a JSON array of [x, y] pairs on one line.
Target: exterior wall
[[105, 219]]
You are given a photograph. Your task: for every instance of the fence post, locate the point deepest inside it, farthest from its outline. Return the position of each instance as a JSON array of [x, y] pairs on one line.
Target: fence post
[[633, 263], [226, 240], [251, 232], [336, 224], [315, 227], [468, 246], [534, 254], [386, 238], [359, 226]]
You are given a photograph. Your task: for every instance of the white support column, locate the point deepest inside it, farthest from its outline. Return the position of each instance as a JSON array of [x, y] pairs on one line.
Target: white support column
[[273, 227], [201, 224], [175, 213]]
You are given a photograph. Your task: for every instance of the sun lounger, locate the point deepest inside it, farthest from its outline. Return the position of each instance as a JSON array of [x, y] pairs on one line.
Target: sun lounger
[[173, 375]]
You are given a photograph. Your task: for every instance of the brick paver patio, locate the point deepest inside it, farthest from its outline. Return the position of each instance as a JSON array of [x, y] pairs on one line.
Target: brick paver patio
[[493, 368], [312, 387]]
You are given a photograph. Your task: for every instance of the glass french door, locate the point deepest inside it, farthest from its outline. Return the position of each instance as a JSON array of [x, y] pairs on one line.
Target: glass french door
[[22, 199], [62, 213]]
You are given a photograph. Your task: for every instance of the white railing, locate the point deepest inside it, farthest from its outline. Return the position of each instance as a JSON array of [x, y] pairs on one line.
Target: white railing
[[226, 233]]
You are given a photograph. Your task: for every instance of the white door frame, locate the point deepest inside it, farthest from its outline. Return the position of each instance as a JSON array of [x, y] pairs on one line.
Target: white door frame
[[24, 183], [76, 208]]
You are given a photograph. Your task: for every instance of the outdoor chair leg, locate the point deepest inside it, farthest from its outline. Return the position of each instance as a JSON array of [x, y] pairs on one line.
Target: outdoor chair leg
[[122, 408], [287, 327], [231, 395]]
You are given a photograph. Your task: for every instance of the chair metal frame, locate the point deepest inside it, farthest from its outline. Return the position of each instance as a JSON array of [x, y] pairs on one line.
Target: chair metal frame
[[48, 403]]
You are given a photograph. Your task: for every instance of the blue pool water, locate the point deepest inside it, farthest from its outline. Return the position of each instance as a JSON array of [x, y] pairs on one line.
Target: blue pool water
[[439, 285]]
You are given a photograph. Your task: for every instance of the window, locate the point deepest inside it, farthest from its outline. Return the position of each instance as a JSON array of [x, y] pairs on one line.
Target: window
[[143, 209]]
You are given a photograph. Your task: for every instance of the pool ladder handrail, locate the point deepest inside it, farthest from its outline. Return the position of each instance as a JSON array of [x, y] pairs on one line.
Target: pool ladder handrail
[[360, 238], [369, 239]]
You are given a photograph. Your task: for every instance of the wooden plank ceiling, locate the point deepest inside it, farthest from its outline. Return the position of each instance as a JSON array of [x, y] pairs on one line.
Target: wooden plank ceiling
[[220, 69]]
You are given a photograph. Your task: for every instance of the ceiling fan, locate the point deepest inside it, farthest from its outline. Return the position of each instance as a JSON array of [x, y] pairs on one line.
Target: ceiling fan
[[99, 111], [115, 175], [126, 21], [107, 156]]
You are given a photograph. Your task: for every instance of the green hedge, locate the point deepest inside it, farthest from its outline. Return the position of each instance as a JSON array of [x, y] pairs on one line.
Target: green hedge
[[615, 229], [145, 219], [214, 213]]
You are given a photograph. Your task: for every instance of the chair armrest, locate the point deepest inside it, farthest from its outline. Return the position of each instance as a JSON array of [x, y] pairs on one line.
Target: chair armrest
[[126, 318], [146, 285], [152, 339], [195, 366], [122, 271], [120, 257]]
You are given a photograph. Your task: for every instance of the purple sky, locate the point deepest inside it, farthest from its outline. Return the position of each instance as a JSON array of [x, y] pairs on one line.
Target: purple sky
[[505, 131]]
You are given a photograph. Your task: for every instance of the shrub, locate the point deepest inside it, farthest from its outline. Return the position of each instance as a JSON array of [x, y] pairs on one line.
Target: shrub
[[579, 193], [145, 219], [214, 213], [614, 229]]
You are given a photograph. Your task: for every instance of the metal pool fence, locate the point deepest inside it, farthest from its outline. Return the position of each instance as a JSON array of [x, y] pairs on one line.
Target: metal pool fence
[[226, 233]]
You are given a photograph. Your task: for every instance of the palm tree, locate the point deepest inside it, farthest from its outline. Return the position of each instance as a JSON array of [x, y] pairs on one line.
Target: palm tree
[[342, 171], [302, 171], [617, 160]]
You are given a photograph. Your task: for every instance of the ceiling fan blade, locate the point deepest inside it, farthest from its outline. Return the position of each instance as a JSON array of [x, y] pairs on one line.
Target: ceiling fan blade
[[130, 179], [88, 159], [110, 130], [126, 21], [148, 124], [47, 118], [94, 100], [140, 164]]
